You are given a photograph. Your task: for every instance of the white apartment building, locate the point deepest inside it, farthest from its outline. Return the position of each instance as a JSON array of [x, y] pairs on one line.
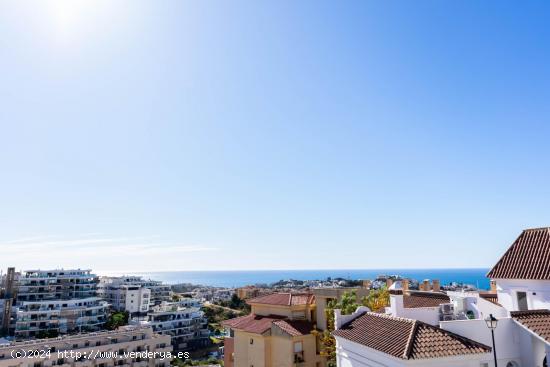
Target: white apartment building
[[159, 292], [124, 347], [519, 299], [133, 299], [183, 321], [54, 302]]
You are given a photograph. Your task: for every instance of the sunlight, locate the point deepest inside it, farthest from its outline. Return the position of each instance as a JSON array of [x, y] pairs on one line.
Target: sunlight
[[70, 18]]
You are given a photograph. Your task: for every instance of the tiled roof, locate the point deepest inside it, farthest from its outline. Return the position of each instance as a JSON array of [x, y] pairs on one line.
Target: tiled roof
[[258, 324], [424, 299], [406, 338], [284, 299], [538, 321], [527, 258], [252, 323], [295, 327]]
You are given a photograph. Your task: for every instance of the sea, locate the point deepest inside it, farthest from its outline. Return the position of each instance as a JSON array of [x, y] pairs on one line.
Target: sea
[[239, 278]]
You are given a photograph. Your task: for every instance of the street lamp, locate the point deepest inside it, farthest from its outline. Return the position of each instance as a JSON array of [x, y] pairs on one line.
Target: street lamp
[[492, 322]]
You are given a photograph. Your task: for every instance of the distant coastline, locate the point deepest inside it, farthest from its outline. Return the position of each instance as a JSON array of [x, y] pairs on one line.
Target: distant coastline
[[239, 278]]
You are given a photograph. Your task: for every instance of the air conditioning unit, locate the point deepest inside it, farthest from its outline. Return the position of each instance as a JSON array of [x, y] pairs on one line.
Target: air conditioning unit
[[446, 308], [447, 317]]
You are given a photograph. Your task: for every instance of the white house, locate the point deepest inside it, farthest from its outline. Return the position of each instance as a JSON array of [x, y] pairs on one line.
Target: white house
[[131, 298], [522, 279], [520, 300], [110, 288], [374, 340]]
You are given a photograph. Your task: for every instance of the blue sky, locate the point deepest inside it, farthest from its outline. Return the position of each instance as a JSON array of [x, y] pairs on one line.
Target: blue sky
[[189, 135]]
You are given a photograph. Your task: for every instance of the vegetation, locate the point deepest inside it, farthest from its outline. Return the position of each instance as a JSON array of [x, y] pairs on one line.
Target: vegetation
[[377, 299], [177, 362], [117, 319], [215, 315], [347, 304], [236, 303], [44, 334]]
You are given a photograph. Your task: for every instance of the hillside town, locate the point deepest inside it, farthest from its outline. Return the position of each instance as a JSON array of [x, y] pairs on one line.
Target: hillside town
[[388, 321]]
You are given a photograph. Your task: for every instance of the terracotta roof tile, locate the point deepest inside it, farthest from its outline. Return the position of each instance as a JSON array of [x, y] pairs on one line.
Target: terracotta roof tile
[[258, 324], [252, 323], [406, 338], [527, 258], [424, 299], [538, 321], [284, 299], [295, 327]]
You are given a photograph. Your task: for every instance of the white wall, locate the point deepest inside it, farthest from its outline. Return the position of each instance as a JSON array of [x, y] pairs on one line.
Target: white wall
[[532, 347], [351, 354], [137, 300], [429, 315], [507, 336], [538, 293]]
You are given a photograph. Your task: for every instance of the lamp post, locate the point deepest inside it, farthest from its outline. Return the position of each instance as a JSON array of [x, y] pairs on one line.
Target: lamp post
[[492, 322]]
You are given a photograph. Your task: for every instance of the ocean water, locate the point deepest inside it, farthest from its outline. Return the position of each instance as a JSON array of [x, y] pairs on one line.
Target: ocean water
[[240, 278]]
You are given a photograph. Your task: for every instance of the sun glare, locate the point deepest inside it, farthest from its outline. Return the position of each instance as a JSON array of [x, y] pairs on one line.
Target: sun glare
[[71, 18]]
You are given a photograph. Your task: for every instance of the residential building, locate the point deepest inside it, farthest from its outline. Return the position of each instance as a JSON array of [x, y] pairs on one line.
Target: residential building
[[325, 295], [159, 292], [134, 299], [125, 347], [211, 294], [372, 339], [53, 302], [279, 332], [251, 292], [519, 298], [183, 321]]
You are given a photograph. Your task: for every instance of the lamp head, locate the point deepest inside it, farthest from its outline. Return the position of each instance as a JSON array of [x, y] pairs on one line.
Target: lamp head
[[491, 322]]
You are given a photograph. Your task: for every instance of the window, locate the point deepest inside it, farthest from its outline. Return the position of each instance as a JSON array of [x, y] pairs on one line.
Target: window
[[522, 301], [298, 352], [251, 341]]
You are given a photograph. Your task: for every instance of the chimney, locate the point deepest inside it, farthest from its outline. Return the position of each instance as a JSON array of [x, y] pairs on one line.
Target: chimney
[[405, 285], [436, 287], [493, 284], [425, 286], [389, 282]]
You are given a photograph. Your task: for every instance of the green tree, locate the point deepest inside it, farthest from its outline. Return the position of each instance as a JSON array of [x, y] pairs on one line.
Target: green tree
[[347, 304], [117, 319], [377, 299]]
